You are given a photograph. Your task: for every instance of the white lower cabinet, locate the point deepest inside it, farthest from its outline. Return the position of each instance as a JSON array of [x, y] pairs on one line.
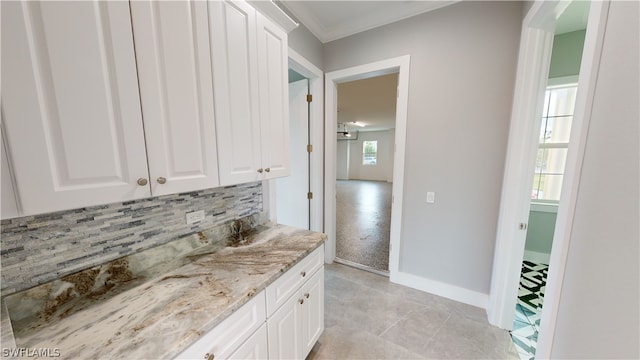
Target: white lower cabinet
[[297, 325], [225, 339], [312, 315], [285, 338], [255, 347], [282, 322]]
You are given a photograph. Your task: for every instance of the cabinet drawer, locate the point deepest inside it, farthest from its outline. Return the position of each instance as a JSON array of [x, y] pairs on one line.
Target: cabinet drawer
[[225, 338], [280, 290]]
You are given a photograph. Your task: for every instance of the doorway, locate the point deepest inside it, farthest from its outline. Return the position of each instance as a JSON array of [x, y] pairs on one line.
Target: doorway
[[364, 171], [532, 80], [293, 203], [314, 141], [400, 66]]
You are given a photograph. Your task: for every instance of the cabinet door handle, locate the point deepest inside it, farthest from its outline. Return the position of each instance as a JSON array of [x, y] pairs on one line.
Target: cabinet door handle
[[260, 170], [208, 356], [161, 180], [303, 273], [267, 169], [301, 301], [306, 295], [142, 181]]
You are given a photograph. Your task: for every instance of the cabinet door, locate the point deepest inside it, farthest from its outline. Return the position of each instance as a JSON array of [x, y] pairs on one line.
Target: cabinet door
[[312, 311], [70, 104], [230, 334], [284, 330], [274, 98], [235, 75], [254, 348], [176, 89]]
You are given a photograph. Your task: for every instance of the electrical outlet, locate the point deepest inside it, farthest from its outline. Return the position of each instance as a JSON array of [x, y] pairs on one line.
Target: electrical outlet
[[195, 216], [431, 197]]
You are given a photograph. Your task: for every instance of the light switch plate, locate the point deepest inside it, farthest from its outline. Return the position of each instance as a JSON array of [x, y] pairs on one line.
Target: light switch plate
[[195, 216], [431, 197]]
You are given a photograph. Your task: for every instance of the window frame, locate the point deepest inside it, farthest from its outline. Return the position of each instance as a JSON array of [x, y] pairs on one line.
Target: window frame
[[364, 154]]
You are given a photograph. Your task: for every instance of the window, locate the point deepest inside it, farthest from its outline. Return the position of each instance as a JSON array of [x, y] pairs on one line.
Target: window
[[557, 116], [369, 152]]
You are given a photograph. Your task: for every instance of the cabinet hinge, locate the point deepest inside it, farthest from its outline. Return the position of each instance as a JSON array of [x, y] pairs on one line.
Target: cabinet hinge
[[309, 98], [309, 148], [309, 195]]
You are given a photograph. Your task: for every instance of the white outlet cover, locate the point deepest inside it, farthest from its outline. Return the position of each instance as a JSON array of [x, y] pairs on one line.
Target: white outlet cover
[[431, 197], [194, 216]]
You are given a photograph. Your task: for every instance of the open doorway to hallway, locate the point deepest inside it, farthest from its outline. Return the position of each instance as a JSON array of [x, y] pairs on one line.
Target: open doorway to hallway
[[553, 144], [364, 171], [292, 201]]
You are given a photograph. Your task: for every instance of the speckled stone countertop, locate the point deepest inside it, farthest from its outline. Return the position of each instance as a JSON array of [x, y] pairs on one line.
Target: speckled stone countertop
[[161, 316]]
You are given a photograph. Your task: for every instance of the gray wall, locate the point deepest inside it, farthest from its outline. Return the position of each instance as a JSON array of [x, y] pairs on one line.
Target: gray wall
[[566, 54], [599, 311], [463, 65], [306, 44], [540, 231]]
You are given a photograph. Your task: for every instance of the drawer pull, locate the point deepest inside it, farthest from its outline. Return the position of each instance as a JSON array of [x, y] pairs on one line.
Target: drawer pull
[[303, 273], [301, 301], [260, 170], [208, 356], [306, 295]]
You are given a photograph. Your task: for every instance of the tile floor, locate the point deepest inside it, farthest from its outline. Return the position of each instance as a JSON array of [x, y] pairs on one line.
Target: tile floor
[[368, 317], [526, 324], [363, 222]]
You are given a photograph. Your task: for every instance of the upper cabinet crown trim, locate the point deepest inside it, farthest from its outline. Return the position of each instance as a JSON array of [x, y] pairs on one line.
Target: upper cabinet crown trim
[[275, 14]]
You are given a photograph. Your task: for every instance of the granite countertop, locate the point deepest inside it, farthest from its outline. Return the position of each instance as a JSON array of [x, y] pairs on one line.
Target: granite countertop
[[167, 312]]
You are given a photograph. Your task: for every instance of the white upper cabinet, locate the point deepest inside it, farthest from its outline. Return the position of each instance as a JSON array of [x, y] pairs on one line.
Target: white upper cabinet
[[274, 98], [176, 90], [70, 104], [110, 101], [235, 74], [250, 80]]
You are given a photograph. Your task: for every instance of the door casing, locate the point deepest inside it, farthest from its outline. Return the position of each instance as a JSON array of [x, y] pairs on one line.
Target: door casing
[[533, 68], [400, 65], [316, 167]]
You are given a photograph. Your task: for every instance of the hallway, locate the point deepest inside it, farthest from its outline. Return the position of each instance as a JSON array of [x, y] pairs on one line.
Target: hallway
[[363, 222], [368, 317]]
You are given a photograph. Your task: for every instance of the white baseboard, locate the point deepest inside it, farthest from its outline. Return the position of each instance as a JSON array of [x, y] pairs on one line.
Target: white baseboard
[[441, 289], [537, 257]]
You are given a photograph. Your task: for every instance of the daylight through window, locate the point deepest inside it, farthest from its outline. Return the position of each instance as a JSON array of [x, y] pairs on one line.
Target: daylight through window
[[559, 103], [369, 152]]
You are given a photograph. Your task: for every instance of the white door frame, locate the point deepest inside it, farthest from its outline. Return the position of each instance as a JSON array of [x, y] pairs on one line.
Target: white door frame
[[533, 68], [316, 87], [401, 65]]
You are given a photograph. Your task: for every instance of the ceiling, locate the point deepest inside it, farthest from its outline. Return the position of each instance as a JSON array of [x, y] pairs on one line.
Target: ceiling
[[369, 101], [574, 18], [332, 20]]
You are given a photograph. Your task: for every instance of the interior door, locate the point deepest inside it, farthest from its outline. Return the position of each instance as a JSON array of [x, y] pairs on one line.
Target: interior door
[[291, 192]]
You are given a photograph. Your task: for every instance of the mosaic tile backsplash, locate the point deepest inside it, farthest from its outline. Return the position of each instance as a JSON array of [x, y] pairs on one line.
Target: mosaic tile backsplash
[[41, 248]]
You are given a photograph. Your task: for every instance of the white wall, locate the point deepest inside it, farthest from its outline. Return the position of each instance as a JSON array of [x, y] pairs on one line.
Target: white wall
[[381, 171], [599, 311], [463, 64], [342, 159]]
